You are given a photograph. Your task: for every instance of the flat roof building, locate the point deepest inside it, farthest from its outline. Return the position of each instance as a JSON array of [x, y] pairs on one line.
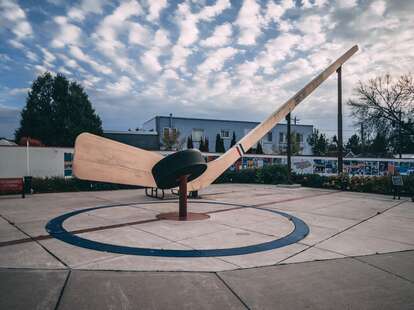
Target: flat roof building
[[197, 128]]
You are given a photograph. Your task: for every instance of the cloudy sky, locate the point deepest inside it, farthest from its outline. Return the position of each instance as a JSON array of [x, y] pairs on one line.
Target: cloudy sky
[[215, 59]]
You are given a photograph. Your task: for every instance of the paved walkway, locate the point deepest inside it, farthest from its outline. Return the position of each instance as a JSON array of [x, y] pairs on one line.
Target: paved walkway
[[384, 281], [359, 253]]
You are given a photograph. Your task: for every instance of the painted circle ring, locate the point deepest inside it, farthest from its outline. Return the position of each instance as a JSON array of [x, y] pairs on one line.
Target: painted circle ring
[[55, 228]]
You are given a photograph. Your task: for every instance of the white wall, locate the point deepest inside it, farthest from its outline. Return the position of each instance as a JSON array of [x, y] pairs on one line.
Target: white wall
[[43, 161]]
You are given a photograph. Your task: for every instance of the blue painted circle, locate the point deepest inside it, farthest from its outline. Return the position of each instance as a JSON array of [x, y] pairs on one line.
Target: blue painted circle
[[55, 228]]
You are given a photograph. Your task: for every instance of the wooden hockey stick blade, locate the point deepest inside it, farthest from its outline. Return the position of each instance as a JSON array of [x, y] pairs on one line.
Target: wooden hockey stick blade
[[216, 167], [105, 160]]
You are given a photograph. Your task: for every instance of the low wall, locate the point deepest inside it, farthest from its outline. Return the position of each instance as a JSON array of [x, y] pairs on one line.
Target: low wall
[[42, 161], [57, 162]]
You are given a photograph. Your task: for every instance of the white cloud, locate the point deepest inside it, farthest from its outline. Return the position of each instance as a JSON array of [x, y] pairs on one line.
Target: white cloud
[[179, 56], [13, 17], [85, 8], [276, 11], [187, 20], [16, 44], [220, 37], [138, 34], [48, 57], [211, 11], [170, 74], [123, 86], [68, 33], [155, 8], [69, 62], [161, 38], [249, 22], [346, 4], [18, 91], [150, 60], [378, 7], [316, 3], [247, 69], [188, 25], [32, 56], [215, 61], [106, 36], [276, 50], [76, 52], [314, 29]]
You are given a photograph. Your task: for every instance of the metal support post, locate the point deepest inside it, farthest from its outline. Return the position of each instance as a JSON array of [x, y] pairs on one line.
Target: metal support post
[[340, 140], [183, 198], [400, 135], [289, 148]]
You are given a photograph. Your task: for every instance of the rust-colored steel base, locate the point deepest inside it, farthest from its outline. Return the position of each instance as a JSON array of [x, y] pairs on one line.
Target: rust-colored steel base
[[175, 216]]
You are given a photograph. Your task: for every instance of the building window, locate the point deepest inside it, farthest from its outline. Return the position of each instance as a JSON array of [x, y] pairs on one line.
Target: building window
[[282, 137], [197, 134], [299, 137], [269, 137], [225, 134]]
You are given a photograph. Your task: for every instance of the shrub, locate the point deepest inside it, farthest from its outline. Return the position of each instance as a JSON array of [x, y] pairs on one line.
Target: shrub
[[277, 174], [242, 176], [272, 174], [59, 184]]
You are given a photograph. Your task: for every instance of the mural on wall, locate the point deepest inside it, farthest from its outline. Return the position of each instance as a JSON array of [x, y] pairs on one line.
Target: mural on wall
[[328, 166], [67, 164]]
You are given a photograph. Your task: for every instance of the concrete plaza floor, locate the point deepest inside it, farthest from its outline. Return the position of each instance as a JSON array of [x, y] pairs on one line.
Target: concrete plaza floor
[[359, 253]]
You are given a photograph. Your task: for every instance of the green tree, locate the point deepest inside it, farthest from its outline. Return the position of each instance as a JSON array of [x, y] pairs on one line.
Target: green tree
[[379, 145], [201, 145], [171, 139], [354, 144], [233, 140], [57, 111], [219, 144], [190, 142], [295, 148], [206, 145], [259, 149], [318, 143]]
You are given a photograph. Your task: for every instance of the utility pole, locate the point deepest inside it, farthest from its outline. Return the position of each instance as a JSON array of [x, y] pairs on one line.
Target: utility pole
[[400, 135], [340, 142], [362, 139], [288, 149]]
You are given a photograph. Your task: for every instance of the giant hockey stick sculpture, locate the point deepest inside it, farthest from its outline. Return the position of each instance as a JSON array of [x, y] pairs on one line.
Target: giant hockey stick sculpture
[[101, 159]]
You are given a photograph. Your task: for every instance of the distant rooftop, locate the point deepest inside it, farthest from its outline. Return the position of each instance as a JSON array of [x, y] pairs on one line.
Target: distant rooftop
[[216, 120], [131, 132]]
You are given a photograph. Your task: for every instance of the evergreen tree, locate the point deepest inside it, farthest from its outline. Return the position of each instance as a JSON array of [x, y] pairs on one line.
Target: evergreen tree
[[57, 111], [190, 142], [222, 147], [379, 145], [354, 144], [233, 139], [318, 142], [201, 146], [218, 144], [259, 149], [206, 146]]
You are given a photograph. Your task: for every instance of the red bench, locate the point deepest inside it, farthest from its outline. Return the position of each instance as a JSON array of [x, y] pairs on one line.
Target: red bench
[[12, 186]]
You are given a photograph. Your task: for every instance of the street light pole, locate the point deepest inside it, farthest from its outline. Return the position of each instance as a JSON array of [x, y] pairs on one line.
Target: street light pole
[[289, 149], [340, 142]]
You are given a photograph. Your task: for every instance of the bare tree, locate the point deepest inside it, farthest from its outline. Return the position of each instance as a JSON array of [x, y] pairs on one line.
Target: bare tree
[[385, 103]]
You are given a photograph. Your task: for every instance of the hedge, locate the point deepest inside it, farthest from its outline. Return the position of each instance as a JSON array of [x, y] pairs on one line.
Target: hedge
[[59, 184], [277, 174], [272, 174]]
